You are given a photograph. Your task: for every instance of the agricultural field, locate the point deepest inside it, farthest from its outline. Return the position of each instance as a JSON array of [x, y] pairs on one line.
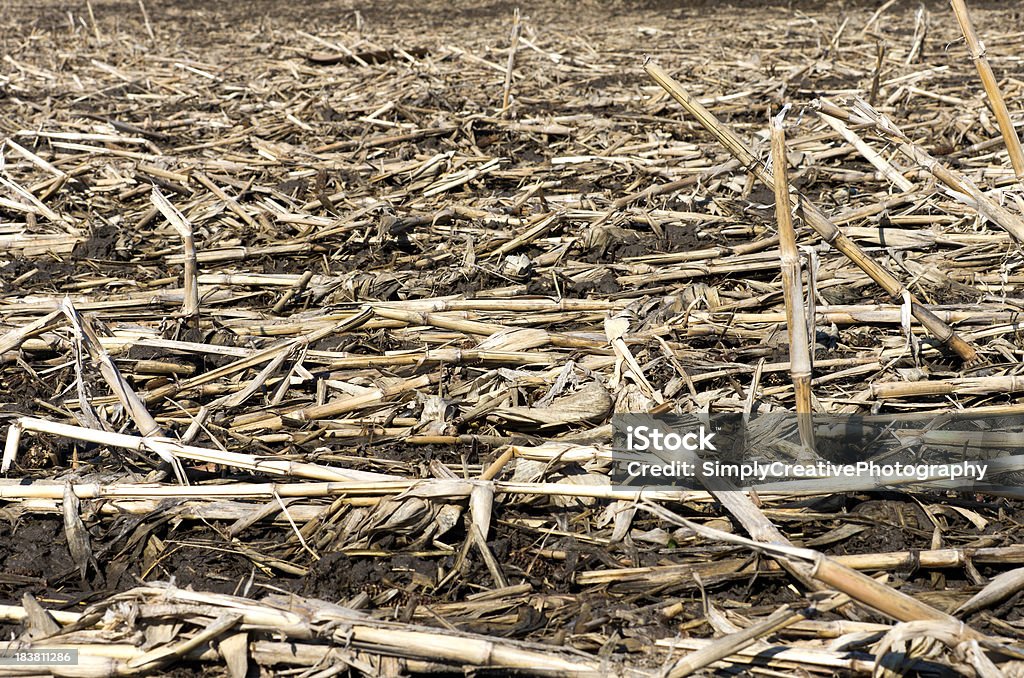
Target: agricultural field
[[319, 323]]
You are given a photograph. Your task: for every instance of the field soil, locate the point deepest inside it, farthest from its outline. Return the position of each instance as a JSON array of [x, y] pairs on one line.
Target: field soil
[[314, 316]]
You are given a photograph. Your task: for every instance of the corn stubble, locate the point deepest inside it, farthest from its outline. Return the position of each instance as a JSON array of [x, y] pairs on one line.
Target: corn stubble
[[353, 303]]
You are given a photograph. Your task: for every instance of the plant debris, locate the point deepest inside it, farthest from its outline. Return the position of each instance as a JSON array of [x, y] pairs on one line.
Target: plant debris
[[313, 319]]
